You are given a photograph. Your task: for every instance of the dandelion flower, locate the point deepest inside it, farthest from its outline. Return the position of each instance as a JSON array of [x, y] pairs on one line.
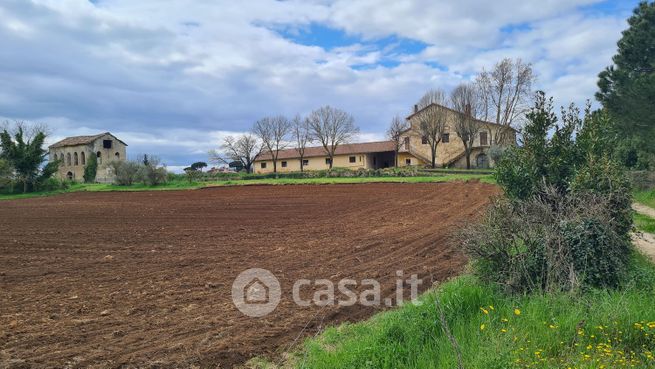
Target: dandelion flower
[[517, 312], [481, 327]]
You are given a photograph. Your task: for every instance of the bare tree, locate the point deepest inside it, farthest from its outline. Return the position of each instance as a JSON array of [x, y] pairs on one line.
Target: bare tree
[[243, 149], [301, 134], [331, 127], [464, 99], [394, 133], [505, 94], [430, 97], [432, 122], [272, 131]]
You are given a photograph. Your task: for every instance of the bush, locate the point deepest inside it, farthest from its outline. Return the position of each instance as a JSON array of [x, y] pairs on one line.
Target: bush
[[532, 245], [91, 169], [151, 174], [126, 173], [565, 223], [6, 180]]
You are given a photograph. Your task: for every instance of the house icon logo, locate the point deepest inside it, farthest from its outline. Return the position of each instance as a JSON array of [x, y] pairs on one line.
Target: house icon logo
[[256, 292]]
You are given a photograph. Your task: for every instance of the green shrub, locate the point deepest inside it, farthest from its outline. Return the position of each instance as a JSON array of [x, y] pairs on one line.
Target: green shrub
[[126, 173], [533, 245], [91, 169]]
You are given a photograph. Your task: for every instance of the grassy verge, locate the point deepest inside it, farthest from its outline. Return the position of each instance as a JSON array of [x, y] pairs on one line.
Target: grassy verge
[[644, 223], [646, 197], [185, 185], [596, 329]]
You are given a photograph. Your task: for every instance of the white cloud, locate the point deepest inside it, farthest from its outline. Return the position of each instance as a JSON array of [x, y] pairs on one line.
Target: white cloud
[[174, 78]]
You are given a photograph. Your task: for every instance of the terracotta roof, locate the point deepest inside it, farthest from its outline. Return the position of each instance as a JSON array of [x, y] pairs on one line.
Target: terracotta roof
[[82, 140], [455, 111], [344, 149]]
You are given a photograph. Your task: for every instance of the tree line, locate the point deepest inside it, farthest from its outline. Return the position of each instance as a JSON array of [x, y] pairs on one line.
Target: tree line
[[328, 126]]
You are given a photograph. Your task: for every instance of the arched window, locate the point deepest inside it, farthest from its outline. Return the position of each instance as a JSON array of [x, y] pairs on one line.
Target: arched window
[[75, 159], [69, 175], [117, 155], [99, 156], [61, 159], [68, 159], [83, 158]]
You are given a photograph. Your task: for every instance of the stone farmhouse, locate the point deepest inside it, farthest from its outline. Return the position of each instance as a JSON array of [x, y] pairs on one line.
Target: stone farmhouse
[[74, 152], [414, 149]]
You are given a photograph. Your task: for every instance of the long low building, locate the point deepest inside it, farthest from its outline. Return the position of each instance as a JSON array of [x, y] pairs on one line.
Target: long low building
[[414, 149], [370, 155]]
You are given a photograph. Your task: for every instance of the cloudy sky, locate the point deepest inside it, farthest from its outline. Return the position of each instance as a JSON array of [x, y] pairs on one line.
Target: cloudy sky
[[174, 77]]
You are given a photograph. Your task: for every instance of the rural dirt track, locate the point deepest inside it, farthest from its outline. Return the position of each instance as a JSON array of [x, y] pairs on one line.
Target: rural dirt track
[[143, 279]]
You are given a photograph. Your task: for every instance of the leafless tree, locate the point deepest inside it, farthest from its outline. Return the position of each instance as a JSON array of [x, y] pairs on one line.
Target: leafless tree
[[273, 132], [301, 134], [435, 96], [464, 99], [396, 129], [331, 127], [432, 121], [505, 94], [243, 149]]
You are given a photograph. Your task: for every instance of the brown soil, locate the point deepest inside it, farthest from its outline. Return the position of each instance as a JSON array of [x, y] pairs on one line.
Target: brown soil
[[144, 278]]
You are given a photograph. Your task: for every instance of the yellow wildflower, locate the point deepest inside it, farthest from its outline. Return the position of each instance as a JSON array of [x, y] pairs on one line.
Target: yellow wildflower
[[517, 312]]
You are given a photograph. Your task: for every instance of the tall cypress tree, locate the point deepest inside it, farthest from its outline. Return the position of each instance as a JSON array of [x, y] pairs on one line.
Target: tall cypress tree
[[627, 88]]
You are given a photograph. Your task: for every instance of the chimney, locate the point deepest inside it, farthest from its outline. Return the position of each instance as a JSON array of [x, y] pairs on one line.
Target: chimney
[[415, 108]]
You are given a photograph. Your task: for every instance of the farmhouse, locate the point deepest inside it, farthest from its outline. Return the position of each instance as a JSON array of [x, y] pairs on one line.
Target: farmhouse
[[73, 154], [414, 149]]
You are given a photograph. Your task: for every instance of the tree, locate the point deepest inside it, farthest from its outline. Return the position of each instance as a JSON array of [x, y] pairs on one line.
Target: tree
[[464, 100], [434, 96], [151, 173], [432, 122], [91, 169], [396, 129], [627, 89], [243, 149], [125, 172], [505, 94], [197, 166], [301, 134], [331, 127], [272, 131], [6, 173], [25, 153]]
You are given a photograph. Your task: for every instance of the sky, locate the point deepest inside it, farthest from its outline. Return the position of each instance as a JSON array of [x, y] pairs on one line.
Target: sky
[[173, 78]]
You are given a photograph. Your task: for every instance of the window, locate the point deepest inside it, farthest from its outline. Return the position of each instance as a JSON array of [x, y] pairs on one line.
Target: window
[[445, 138], [305, 162], [99, 156], [68, 159], [106, 144], [83, 158], [406, 143], [61, 159], [408, 161], [75, 161], [284, 164], [483, 139], [352, 159], [328, 161], [263, 165], [424, 140], [117, 155]]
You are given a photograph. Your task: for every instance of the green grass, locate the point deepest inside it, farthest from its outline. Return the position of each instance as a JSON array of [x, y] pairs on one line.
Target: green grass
[[644, 223], [185, 185], [596, 329], [646, 197]]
